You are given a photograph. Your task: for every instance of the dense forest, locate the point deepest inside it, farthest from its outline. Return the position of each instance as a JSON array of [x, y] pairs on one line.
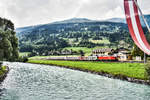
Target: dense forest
[[8, 41], [43, 39]]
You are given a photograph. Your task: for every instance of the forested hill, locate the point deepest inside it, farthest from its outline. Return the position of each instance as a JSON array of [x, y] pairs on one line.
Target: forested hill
[[76, 32], [8, 41]]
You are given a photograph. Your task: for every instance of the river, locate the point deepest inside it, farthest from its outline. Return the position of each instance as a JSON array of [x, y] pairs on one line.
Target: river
[[43, 82]]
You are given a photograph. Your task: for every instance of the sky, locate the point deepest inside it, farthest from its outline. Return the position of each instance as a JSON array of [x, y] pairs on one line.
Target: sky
[[33, 12]]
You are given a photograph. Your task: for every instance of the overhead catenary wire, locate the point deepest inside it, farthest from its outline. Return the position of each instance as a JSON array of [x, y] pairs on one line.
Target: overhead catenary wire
[[144, 19]]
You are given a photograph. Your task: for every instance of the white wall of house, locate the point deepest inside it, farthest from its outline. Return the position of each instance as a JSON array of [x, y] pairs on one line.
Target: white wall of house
[[123, 57], [138, 58]]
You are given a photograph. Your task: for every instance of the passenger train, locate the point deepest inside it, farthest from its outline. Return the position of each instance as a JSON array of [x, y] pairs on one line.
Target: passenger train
[[83, 58]]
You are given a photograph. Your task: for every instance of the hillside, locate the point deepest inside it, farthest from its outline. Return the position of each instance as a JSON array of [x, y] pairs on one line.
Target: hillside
[[76, 32], [122, 20]]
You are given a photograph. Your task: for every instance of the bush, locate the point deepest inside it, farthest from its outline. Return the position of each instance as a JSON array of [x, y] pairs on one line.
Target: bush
[[23, 59], [147, 68]]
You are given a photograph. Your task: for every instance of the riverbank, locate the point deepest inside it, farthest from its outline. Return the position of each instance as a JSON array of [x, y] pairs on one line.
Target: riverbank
[[3, 72], [132, 72]]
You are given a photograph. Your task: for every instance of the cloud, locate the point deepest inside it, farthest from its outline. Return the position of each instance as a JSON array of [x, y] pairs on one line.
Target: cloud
[[101, 9], [32, 12]]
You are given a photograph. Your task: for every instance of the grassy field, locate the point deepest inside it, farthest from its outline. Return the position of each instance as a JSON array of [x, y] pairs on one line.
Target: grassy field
[[132, 70], [104, 41], [87, 51]]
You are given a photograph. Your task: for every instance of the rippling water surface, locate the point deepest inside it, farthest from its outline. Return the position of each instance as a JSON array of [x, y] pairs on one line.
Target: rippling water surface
[[41, 82]]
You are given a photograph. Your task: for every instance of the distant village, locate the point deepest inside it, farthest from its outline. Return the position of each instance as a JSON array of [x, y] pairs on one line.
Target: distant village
[[107, 54], [122, 54]]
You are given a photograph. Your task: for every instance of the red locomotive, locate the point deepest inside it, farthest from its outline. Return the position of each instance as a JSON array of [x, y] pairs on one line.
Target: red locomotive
[[107, 58]]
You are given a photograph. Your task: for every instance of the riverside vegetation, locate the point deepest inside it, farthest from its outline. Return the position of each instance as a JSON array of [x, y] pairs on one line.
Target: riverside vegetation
[[3, 72], [148, 70]]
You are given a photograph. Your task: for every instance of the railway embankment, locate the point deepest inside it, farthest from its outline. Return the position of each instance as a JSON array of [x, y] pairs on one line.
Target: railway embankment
[[132, 72]]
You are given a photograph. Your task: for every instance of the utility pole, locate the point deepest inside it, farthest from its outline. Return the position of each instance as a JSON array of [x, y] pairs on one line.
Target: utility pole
[[144, 58]]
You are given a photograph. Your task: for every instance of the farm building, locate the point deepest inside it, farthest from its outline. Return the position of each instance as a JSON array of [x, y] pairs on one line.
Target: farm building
[[124, 54], [103, 52]]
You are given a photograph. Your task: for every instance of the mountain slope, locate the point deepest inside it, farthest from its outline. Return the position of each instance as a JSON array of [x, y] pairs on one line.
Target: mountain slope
[[122, 20], [72, 20], [78, 32], [81, 20], [117, 20]]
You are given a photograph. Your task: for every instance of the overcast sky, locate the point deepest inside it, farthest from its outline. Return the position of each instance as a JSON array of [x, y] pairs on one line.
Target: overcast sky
[[33, 12]]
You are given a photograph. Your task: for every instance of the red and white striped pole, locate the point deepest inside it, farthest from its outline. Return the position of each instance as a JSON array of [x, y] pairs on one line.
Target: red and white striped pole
[[134, 25]]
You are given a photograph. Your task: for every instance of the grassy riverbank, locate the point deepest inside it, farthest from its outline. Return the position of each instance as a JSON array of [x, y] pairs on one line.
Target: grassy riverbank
[[3, 73], [3, 70], [132, 70]]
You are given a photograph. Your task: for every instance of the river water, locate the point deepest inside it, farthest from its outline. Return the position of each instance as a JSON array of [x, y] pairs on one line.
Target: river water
[[42, 82]]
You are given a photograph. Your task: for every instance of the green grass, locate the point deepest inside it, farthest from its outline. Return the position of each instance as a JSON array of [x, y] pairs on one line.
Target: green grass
[[104, 41], [3, 70], [88, 52], [133, 70], [37, 57]]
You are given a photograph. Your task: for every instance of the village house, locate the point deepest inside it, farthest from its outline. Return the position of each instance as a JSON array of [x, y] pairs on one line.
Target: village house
[[103, 52], [123, 54], [66, 52]]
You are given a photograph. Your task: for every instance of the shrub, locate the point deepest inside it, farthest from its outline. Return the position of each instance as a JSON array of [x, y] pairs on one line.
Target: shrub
[[23, 59], [147, 68]]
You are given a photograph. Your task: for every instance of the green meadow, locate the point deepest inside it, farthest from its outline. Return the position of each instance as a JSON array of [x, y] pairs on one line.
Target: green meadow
[[132, 70]]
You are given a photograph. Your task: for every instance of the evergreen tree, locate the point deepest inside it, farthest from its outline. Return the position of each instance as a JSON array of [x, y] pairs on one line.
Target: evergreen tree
[[81, 53]]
